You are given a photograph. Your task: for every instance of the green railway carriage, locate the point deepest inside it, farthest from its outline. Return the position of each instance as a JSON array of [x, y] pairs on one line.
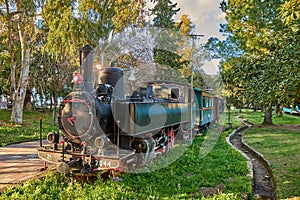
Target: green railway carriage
[[206, 109]]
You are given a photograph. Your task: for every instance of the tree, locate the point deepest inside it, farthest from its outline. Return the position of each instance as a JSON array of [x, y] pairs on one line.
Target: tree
[[164, 10], [165, 53], [71, 24], [59, 57], [67, 26], [185, 25], [18, 19], [289, 13], [9, 44], [128, 13], [26, 12], [4, 72], [255, 68]]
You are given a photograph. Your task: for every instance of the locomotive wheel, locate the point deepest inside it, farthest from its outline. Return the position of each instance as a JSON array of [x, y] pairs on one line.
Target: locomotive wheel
[[105, 174], [87, 178], [171, 139]]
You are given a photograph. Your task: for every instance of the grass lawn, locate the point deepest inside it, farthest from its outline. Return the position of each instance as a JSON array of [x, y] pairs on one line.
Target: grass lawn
[[257, 117], [28, 131], [220, 169], [280, 144]]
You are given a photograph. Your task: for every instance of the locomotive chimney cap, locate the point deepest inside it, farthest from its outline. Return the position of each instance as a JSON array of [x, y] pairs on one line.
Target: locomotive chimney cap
[[86, 48]]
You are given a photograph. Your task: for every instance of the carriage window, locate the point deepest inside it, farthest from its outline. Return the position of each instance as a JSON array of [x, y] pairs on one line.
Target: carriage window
[[175, 93], [205, 102], [210, 102]]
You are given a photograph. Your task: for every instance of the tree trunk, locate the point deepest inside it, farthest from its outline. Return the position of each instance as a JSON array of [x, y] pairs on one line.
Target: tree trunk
[[255, 108], [27, 101], [279, 110], [268, 116], [13, 88], [17, 110], [55, 96]]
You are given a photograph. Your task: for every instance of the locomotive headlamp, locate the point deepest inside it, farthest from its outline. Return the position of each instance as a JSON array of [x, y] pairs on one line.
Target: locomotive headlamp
[[77, 78]]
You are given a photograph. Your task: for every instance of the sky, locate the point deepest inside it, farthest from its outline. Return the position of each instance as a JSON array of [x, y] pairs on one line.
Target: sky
[[207, 17], [205, 14]]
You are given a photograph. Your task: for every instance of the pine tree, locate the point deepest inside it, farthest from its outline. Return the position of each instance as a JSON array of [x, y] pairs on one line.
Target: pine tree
[[164, 10]]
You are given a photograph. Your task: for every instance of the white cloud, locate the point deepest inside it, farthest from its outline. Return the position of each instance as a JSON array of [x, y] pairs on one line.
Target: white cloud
[[221, 17], [207, 17], [205, 14], [211, 67]]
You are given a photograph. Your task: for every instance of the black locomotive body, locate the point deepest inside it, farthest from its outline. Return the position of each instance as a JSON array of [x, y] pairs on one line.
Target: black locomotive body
[[104, 129]]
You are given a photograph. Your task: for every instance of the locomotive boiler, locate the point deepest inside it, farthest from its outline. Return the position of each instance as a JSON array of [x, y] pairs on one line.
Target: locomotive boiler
[[102, 128]]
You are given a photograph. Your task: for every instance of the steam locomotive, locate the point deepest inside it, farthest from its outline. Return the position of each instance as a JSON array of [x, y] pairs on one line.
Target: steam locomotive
[[104, 129]]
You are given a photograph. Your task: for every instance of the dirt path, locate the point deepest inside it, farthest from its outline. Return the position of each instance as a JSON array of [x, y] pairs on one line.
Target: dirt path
[[263, 180], [19, 163]]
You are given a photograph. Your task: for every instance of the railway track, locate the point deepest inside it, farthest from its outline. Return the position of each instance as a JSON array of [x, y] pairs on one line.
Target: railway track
[[264, 185]]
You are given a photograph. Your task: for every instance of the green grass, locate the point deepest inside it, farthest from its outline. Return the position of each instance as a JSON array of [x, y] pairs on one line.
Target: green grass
[[258, 116], [28, 131], [182, 179], [279, 143]]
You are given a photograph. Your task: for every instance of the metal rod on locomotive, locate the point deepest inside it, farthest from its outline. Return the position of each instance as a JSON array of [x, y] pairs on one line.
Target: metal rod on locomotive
[[41, 128], [192, 81]]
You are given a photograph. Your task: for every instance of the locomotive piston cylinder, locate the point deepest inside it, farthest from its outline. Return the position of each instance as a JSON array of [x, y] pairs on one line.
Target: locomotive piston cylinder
[[101, 142]]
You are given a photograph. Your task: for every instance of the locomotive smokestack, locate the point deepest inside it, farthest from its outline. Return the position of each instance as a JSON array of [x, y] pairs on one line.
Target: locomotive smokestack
[[87, 67], [115, 77]]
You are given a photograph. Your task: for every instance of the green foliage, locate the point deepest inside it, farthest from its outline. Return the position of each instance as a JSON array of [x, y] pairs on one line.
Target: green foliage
[[67, 26], [127, 13], [61, 40], [185, 25], [164, 10], [4, 72], [290, 13], [168, 58], [259, 56]]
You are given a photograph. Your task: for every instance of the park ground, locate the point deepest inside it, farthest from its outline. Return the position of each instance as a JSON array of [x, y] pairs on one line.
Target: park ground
[[221, 174]]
